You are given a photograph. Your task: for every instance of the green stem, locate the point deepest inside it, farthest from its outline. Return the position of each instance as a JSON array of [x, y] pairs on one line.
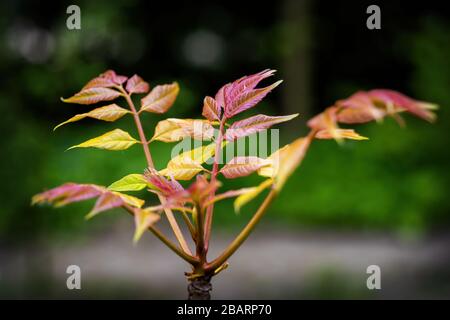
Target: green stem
[[188, 258], [189, 224]]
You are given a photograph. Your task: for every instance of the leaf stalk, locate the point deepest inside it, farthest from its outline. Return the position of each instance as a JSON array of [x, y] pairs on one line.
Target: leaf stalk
[[169, 214]]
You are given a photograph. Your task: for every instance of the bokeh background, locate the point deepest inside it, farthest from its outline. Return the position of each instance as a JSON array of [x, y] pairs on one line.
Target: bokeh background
[[383, 202]]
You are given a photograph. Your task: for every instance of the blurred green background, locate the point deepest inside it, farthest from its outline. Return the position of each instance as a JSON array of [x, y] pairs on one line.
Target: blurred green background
[[396, 182]]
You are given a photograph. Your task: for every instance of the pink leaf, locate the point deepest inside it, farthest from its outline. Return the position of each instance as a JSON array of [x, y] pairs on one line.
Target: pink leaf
[[243, 166], [73, 192], [241, 94], [163, 185], [201, 189], [117, 79], [248, 99], [358, 108], [105, 80], [248, 83], [364, 107], [137, 85], [106, 201], [222, 96], [395, 99], [254, 124], [68, 193]]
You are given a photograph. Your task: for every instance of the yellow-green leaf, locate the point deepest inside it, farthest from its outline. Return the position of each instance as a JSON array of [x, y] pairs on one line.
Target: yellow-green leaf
[[200, 154], [143, 218], [131, 200], [182, 169], [172, 130], [285, 161], [161, 98], [251, 193], [109, 113], [113, 140], [131, 182], [339, 134], [187, 164], [270, 171]]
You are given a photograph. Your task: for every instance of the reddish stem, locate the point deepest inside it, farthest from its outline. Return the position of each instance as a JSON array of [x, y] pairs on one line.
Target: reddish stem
[[169, 214], [140, 129]]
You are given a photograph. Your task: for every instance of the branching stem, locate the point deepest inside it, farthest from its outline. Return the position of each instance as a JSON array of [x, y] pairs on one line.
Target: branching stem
[[243, 235], [188, 258], [189, 224], [236, 243]]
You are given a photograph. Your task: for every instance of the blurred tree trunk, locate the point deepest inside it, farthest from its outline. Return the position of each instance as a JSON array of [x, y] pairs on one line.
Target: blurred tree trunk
[[297, 59]]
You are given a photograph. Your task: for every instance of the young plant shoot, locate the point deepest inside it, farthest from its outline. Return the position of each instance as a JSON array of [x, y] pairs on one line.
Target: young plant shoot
[[193, 205]]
